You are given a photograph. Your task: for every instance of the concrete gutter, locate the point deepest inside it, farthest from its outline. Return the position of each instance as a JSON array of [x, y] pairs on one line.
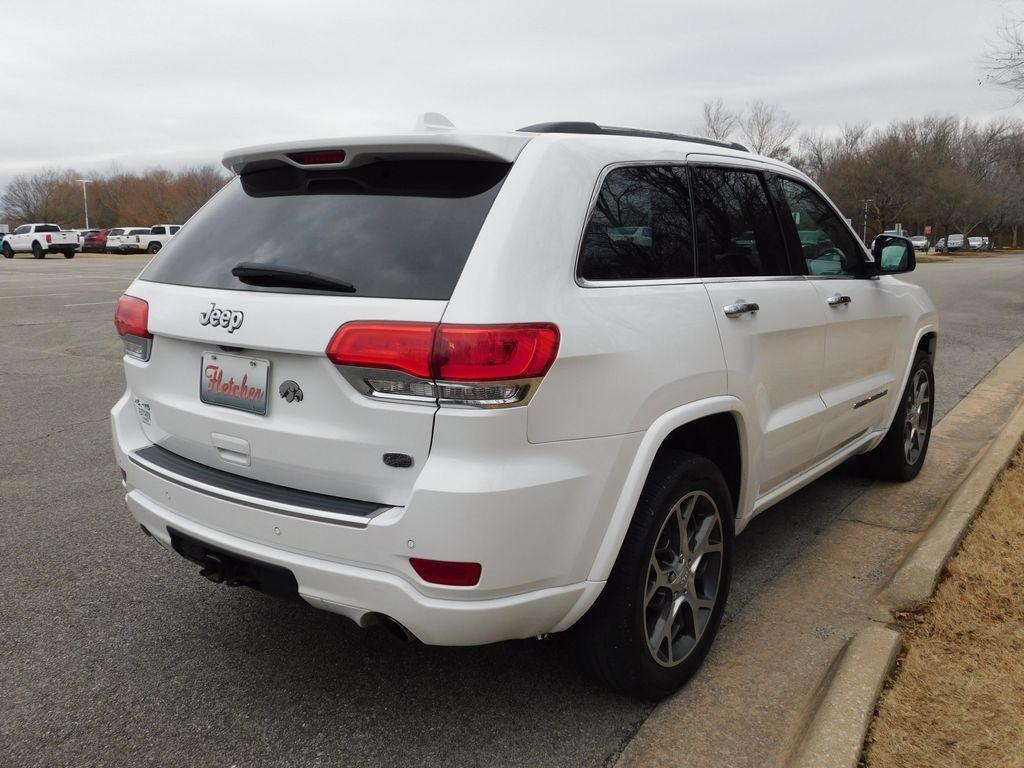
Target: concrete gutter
[[917, 577], [846, 702], [842, 711]]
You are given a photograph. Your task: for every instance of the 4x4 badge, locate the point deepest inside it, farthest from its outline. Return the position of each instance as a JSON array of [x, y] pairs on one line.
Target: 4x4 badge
[[290, 391]]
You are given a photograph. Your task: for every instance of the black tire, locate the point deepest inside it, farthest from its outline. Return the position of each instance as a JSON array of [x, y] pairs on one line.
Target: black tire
[[612, 638], [154, 248], [901, 454], [8, 251], [69, 254], [37, 251]]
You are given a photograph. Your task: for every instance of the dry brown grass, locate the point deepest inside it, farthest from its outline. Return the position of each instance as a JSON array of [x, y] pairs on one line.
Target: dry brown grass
[[958, 696]]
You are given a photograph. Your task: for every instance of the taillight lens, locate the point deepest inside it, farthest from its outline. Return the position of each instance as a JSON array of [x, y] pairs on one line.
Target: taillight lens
[[49, 238], [494, 352], [476, 365], [404, 347], [131, 318], [450, 574]]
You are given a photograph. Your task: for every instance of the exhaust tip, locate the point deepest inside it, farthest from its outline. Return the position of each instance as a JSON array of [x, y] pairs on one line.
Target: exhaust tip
[[396, 630]]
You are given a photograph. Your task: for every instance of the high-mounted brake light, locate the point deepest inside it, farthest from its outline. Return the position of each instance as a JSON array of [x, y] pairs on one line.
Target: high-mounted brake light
[[324, 157], [131, 319], [477, 365], [448, 573]]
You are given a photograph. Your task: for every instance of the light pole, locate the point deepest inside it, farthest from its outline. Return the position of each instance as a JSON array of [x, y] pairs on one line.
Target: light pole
[[85, 199], [864, 237]]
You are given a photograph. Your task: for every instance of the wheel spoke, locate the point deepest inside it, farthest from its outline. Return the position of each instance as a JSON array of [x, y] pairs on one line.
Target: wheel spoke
[[702, 540], [684, 512]]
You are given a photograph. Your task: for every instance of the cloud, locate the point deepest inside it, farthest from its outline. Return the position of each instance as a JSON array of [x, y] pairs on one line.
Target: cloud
[[170, 83]]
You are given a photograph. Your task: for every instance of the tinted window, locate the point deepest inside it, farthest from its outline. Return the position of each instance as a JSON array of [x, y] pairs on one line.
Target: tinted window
[[174, 229], [641, 226], [115, 232], [47, 228], [737, 232], [139, 232], [827, 246], [399, 229], [157, 231]]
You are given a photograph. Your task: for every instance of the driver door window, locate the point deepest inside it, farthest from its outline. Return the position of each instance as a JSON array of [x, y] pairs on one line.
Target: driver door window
[[827, 246]]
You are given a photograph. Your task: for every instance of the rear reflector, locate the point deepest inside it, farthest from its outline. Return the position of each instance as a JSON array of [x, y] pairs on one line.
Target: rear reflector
[[447, 573], [325, 157]]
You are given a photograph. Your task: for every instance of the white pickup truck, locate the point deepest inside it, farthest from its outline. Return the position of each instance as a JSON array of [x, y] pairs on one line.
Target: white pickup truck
[[122, 239], [39, 240], [152, 240]]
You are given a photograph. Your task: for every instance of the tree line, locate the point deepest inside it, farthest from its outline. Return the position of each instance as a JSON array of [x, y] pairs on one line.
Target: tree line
[[950, 174], [116, 198]]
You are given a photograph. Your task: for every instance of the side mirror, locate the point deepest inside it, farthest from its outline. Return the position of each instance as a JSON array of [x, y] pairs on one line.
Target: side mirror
[[893, 254]]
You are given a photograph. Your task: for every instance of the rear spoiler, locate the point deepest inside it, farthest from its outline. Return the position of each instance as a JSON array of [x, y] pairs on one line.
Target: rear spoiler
[[498, 147]]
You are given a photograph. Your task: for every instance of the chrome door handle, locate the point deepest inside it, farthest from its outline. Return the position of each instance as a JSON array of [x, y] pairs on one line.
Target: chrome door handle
[[838, 300], [740, 308]]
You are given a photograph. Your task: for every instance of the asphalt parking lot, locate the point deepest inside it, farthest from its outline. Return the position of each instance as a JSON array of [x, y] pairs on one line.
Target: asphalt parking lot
[[115, 652]]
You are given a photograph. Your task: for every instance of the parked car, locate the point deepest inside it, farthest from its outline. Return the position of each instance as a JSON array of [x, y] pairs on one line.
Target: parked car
[[120, 239], [95, 242], [478, 434], [920, 243], [976, 243], [154, 238], [954, 243], [39, 240], [82, 235]]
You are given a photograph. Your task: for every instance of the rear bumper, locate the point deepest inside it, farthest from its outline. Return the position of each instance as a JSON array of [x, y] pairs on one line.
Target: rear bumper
[[536, 537]]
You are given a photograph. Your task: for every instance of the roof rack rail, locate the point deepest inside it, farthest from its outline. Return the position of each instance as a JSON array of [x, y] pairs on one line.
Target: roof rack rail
[[570, 126]]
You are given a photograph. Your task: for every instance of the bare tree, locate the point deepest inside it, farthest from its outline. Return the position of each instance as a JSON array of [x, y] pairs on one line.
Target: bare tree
[[1006, 58], [719, 122], [768, 129]]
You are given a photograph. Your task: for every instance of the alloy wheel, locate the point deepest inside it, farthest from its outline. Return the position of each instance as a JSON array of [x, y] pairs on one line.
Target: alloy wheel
[[683, 578], [917, 412]]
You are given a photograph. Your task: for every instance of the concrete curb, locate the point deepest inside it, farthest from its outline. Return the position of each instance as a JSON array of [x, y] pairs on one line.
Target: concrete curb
[[846, 702], [916, 578]]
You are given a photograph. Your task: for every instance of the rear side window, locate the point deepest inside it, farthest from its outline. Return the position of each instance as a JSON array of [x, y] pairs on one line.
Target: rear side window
[[157, 231], [738, 234], [641, 228], [394, 229]]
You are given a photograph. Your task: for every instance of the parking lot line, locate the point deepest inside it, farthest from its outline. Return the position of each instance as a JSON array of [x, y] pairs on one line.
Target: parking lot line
[[36, 295]]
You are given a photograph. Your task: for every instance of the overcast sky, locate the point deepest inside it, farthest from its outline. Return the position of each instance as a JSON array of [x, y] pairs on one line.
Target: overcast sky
[[140, 83]]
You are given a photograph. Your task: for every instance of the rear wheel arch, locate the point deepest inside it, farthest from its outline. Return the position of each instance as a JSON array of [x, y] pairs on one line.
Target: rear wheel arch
[[927, 343], [715, 438]]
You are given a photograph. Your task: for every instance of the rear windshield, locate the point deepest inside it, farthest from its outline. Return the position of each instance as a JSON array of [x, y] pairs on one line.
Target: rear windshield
[[394, 229], [47, 228]]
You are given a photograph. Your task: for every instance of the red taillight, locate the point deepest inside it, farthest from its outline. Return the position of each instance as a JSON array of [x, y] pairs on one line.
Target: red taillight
[[402, 347], [448, 573], [494, 352], [49, 238], [325, 157], [131, 318]]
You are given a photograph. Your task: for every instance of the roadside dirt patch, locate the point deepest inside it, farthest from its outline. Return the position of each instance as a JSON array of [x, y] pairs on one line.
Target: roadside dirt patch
[[957, 697]]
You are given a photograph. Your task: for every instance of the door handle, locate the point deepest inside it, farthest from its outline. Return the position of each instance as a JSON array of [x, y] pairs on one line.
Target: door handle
[[838, 300], [741, 307]]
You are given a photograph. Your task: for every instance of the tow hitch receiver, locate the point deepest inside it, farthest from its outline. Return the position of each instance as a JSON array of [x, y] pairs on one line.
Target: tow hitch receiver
[[222, 567]]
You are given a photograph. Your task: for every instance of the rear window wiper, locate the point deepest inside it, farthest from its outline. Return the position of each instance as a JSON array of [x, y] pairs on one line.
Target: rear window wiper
[[276, 276]]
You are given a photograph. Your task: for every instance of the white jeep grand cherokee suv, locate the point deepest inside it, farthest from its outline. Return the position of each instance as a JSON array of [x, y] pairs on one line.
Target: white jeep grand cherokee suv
[[481, 386]]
